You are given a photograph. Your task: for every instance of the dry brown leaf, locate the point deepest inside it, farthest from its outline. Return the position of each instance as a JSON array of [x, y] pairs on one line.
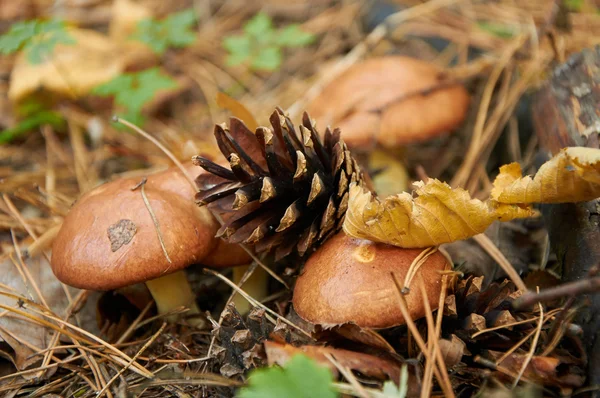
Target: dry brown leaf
[[439, 214], [23, 335], [573, 175], [71, 70], [237, 109], [368, 365]]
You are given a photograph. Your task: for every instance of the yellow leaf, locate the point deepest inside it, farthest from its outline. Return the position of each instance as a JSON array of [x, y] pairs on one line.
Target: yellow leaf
[[573, 175], [439, 214]]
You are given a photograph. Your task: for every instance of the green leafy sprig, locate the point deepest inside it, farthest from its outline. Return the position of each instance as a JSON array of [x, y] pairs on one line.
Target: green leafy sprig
[[132, 91], [261, 44], [300, 378], [36, 37], [173, 31]]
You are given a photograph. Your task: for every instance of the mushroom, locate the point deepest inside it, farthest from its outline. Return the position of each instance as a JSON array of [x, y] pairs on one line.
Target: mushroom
[[391, 101], [349, 280], [123, 232]]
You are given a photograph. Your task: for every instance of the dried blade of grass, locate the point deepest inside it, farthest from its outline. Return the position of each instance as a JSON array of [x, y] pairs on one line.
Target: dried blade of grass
[[134, 324], [120, 354], [437, 335], [410, 324], [427, 380], [529, 356], [347, 373], [491, 249], [244, 278], [160, 146], [415, 265], [549, 315], [257, 303], [83, 173], [42, 243], [144, 347], [154, 221]]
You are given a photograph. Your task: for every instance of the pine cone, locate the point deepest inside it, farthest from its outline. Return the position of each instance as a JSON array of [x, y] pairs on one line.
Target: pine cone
[[285, 191], [240, 341]]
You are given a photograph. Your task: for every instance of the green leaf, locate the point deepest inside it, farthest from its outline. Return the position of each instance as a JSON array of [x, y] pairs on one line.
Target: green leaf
[[239, 47], [293, 36], [269, 59], [37, 38], [29, 123], [132, 91], [173, 31], [301, 378], [50, 34], [16, 37], [259, 25], [497, 29]]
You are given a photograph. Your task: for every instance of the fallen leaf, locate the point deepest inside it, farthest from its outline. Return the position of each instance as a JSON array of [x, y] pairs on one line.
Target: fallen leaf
[[71, 70], [439, 214], [237, 109], [21, 334], [368, 365], [391, 176], [573, 175]]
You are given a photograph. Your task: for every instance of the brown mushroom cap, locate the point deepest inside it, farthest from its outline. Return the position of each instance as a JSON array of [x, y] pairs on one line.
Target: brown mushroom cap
[[109, 240], [349, 280], [385, 100]]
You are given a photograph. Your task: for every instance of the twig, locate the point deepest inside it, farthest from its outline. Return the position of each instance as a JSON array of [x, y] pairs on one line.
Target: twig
[[154, 221], [574, 289]]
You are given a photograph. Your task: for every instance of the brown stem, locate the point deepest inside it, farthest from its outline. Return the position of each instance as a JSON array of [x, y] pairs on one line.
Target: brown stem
[[584, 286]]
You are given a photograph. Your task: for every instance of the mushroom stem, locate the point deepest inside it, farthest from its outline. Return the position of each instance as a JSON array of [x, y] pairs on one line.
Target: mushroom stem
[[171, 292], [255, 286]]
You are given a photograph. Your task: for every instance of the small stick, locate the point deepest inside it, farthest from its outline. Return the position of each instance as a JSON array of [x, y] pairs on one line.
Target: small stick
[[536, 337], [575, 288]]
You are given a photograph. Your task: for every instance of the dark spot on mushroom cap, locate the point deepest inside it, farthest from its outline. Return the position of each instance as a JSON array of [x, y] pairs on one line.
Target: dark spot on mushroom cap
[[121, 234]]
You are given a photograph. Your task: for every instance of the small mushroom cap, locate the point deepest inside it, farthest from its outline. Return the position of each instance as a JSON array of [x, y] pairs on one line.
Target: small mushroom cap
[[386, 100], [349, 280], [109, 240]]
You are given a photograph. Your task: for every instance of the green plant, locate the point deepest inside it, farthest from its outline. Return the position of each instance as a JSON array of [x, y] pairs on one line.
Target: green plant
[[33, 114], [37, 38], [173, 31], [300, 378], [261, 44], [132, 91]]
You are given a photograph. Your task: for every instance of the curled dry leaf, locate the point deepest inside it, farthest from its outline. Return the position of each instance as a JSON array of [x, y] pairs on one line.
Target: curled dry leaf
[[439, 214], [573, 175], [369, 365]]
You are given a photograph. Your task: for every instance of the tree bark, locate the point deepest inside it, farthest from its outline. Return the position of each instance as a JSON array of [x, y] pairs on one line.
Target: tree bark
[[566, 113]]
